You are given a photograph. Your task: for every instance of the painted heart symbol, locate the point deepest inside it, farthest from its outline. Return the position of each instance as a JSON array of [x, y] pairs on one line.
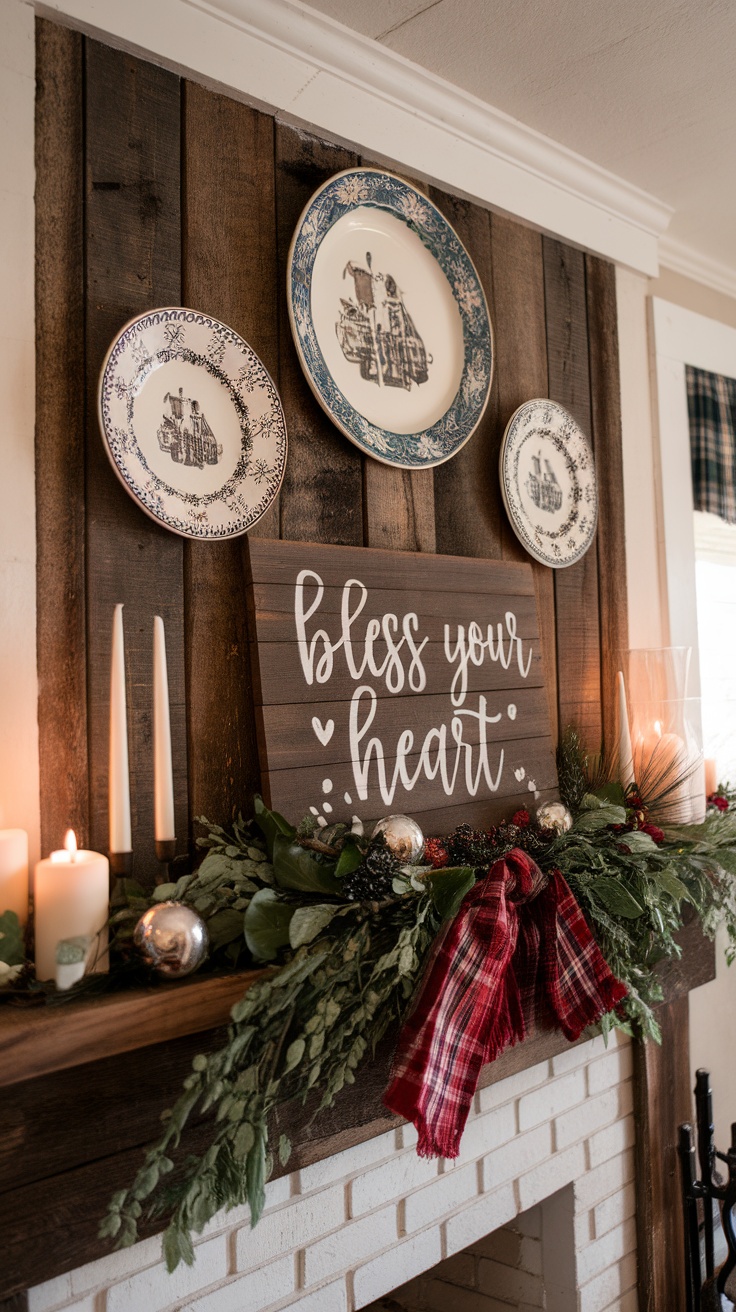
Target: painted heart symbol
[[520, 773], [323, 731]]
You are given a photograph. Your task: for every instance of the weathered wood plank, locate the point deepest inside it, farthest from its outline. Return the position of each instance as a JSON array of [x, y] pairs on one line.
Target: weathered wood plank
[[605, 398], [60, 511], [322, 494], [469, 511], [521, 357], [576, 588], [132, 235], [228, 269]]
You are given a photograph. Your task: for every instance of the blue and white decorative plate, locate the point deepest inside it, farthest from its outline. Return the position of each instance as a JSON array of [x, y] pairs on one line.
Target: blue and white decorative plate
[[548, 483], [390, 319], [192, 423]]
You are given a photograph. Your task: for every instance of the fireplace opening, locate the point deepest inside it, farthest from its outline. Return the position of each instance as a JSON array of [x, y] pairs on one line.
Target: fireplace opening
[[527, 1264]]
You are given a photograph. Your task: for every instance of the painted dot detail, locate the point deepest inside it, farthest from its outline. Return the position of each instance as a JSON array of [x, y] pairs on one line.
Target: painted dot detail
[[321, 821], [348, 800], [326, 785], [314, 810], [326, 807]]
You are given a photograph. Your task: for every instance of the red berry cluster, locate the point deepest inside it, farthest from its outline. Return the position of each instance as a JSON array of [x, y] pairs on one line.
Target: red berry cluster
[[719, 801], [521, 818], [435, 853]]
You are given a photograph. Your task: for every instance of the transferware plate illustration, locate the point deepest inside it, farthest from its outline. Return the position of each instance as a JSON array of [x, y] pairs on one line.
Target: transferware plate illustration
[[192, 423], [548, 483], [390, 319]]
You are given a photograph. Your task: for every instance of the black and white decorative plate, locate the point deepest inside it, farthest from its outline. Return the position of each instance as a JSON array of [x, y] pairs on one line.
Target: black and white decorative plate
[[548, 483], [192, 423], [389, 319]]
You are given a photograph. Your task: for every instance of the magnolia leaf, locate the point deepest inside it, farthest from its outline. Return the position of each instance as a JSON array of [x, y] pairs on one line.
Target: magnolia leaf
[[11, 939], [266, 924], [243, 1141], [448, 887], [672, 884], [637, 841], [271, 824], [600, 817], [224, 927], [308, 922], [617, 899], [349, 859], [296, 868], [294, 1054], [612, 794]]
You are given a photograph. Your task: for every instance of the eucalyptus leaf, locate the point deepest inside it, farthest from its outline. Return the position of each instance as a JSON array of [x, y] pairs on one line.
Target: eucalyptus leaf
[[294, 1054], [308, 922], [448, 887], [298, 869], [224, 927], [617, 899], [271, 824], [255, 1176], [637, 841], [599, 817], [11, 939], [266, 924], [672, 884], [163, 892]]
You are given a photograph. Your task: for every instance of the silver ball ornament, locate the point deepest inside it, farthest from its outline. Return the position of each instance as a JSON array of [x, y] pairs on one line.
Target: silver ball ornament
[[403, 837], [554, 816], [172, 939]]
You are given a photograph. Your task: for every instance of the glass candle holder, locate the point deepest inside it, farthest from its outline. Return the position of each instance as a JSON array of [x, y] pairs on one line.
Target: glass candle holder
[[667, 749]]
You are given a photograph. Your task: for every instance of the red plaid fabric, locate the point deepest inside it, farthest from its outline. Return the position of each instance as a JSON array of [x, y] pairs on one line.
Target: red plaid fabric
[[490, 972]]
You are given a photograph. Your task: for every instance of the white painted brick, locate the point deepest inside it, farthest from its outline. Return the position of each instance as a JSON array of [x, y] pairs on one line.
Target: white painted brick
[[551, 1176], [50, 1294], [628, 1302], [525, 1151], [530, 1222], [611, 1141], [89, 1303], [505, 1282], [502, 1245], [606, 1289], [116, 1265], [459, 1270], [586, 1119], [259, 1289], [394, 1268], [488, 1131], [489, 1212], [554, 1097], [155, 1288], [348, 1162], [603, 1252], [614, 1068], [608, 1178], [407, 1136], [612, 1211], [583, 1229], [329, 1298], [440, 1198], [402, 1173], [578, 1054], [513, 1086], [290, 1227], [352, 1243], [439, 1297]]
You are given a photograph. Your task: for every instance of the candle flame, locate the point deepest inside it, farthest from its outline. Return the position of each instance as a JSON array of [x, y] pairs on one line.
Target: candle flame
[[658, 728], [70, 843]]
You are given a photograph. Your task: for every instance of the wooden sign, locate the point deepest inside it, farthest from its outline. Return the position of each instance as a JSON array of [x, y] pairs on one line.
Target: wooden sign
[[391, 682]]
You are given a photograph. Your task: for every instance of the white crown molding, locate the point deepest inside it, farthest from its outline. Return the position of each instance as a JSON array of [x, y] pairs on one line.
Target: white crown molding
[[306, 65], [682, 258]]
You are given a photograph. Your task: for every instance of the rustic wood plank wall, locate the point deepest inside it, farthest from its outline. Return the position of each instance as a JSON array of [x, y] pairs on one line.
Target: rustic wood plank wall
[[153, 190]]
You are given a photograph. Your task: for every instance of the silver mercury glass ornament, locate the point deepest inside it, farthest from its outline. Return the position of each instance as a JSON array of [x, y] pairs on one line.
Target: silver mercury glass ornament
[[403, 837], [172, 939], [554, 816]]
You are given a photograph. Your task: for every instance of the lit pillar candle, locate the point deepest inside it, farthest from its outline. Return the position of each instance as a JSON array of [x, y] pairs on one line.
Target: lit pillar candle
[[664, 770], [711, 776], [163, 778], [14, 872], [70, 901], [118, 778]]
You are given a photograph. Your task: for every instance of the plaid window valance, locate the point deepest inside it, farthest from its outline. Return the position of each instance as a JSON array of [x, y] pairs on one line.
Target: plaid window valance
[[711, 401]]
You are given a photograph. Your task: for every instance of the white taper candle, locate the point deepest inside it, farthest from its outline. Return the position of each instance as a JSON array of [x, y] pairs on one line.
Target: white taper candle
[[118, 778], [625, 754], [163, 776]]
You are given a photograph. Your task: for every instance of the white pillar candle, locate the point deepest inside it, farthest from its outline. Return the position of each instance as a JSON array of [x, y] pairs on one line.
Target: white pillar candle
[[163, 777], [14, 872], [118, 778], [71, 895], [623, 746], [711, 776], [664, 771]]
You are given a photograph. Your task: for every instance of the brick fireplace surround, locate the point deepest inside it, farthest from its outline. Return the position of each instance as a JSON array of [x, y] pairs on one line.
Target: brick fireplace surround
[[342, 1233]]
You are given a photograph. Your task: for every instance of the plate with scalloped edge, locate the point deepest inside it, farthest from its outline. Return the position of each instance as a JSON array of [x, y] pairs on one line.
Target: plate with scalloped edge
[[192, 423], [389, 319], [548, 483]]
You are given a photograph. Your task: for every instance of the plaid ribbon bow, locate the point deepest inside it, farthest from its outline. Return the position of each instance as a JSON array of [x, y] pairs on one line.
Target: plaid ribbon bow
[[492, 967]]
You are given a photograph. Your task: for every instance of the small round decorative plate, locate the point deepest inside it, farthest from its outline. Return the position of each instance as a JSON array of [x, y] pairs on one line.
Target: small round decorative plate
[[548, 483], [192, 423], [390, 319]]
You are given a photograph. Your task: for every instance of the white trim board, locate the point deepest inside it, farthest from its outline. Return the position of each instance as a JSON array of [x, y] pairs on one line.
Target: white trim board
[[681, 337], [684, 259], [283, 54]]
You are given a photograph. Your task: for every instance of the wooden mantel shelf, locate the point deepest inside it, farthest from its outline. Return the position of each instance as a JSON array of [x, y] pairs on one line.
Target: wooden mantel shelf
[[39, 1040]]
